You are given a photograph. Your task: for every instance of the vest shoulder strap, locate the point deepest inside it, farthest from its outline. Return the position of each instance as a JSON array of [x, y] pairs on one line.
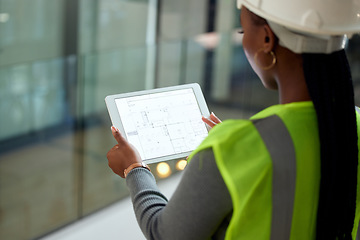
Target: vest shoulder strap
[[277, 139]]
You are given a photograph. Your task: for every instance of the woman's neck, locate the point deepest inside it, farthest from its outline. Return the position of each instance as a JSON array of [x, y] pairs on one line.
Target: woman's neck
[[290, 77]]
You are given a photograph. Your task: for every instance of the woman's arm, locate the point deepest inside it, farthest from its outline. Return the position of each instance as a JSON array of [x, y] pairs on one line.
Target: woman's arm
[[197, 209]]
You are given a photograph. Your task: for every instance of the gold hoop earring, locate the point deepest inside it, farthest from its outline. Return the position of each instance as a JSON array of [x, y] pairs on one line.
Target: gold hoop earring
[[267, 67]]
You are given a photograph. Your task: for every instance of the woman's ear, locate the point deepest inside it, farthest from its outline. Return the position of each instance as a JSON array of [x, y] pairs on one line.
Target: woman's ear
[[270, 40]]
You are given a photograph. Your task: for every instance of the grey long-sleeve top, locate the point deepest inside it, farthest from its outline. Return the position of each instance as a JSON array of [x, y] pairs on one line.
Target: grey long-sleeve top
[[200, 208]]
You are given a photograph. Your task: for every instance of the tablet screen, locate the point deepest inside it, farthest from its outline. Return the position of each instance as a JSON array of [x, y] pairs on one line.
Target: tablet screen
[[162, 124]]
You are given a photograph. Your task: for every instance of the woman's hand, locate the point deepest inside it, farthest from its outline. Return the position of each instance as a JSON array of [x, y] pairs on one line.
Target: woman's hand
[[212, 120], [122, 155]]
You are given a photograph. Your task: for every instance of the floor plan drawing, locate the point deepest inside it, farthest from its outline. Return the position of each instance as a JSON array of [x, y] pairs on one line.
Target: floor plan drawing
[[163, 123]]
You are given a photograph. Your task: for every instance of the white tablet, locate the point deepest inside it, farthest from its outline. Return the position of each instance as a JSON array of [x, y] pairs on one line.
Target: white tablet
[[163, 124]]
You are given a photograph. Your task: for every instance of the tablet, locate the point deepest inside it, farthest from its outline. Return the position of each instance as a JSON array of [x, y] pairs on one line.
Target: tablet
[[164, 123]]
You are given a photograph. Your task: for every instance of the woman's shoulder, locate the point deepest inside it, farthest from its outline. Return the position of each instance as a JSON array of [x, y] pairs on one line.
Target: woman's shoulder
[[230, 126], [228, 130]]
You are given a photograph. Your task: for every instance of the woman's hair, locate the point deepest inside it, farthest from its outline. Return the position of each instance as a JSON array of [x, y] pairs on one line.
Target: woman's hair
[[330, 86], [329, 82]]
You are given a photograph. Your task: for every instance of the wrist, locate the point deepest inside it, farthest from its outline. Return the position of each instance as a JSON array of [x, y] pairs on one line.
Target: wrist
[[135, 165]]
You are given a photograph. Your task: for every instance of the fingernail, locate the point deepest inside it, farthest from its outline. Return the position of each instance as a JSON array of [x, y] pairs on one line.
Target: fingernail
[[114, 129]]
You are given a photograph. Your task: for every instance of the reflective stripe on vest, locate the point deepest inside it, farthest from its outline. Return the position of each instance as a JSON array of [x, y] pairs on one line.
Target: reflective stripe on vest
[[276, 136]]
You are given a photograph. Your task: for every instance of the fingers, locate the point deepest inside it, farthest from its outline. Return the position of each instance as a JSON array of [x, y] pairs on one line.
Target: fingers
[[122, 155], [209, 122], [117, 135], [212, 120]]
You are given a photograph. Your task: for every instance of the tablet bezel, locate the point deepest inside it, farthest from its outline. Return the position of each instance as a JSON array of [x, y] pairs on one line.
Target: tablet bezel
[[116, 120]]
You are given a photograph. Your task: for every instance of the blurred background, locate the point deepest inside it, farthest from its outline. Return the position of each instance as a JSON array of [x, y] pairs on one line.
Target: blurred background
[[58, 61]]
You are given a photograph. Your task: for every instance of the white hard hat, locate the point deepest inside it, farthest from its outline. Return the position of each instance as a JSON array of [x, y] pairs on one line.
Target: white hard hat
[[313, 26], [326, 17]]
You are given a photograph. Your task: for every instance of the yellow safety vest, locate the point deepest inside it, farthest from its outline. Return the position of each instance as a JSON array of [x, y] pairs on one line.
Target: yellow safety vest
[[274, 193]]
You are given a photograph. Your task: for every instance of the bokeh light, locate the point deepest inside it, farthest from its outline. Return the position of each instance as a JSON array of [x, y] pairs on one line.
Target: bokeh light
[[163, 170], [180, 165]]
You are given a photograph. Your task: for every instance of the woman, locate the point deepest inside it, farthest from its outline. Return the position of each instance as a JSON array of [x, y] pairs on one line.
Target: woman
[[291, 171]]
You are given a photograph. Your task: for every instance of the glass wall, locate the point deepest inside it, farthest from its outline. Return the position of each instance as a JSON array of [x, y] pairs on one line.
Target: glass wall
[[112, 60], [58, 61], [37, 175]]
